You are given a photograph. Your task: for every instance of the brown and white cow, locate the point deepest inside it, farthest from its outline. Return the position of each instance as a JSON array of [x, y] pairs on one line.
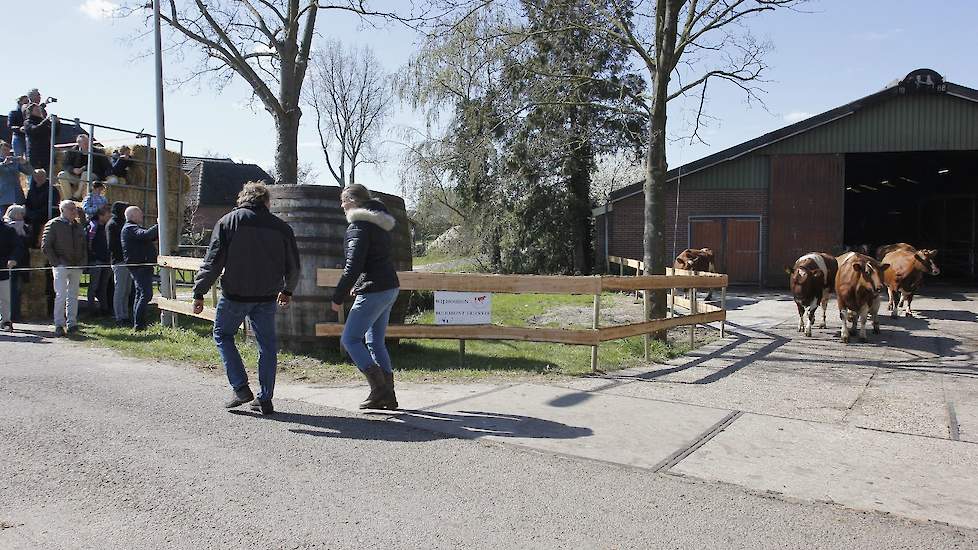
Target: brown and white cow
[[812, 280], [907, 269], [696, 259], [857, 288]]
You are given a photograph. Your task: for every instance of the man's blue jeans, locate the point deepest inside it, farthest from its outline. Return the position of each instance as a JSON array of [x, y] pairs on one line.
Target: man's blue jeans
[[143, 277], [261, 316], [366, 325]]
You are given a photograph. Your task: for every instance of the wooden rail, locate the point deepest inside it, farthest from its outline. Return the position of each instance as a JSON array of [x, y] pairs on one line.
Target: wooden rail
[[699, 313]]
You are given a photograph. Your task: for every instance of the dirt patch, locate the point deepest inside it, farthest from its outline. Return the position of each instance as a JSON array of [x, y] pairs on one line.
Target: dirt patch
[[619, 309]]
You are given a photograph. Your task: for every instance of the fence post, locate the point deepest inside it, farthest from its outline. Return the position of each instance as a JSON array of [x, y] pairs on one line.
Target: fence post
[[594, 324], [173, 295], [645, 315], [461, 354], [723, 307], [692, 311]]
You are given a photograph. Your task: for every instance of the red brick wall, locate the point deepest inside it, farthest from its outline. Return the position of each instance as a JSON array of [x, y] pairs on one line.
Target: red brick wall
[[627, 218]]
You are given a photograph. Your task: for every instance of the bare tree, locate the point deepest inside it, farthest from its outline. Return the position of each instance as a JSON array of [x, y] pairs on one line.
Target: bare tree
[[267, 43], [695, 42], [352, 96]]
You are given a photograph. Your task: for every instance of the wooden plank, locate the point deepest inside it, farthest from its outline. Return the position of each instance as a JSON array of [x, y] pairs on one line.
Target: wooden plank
[[180, 262], [652, 282], [625, 331], [635, 264], [700, 306], [674, 271], [184, 308], [477, 282], [582, 337]]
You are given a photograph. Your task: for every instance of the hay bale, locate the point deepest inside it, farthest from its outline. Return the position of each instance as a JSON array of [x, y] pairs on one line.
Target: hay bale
[[140, 187]]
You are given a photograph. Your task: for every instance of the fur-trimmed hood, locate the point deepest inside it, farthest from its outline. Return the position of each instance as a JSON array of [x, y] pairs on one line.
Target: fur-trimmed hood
[[372, 211]]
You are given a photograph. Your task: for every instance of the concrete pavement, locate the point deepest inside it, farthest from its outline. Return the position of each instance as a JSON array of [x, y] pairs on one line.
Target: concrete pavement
[[887, 427]]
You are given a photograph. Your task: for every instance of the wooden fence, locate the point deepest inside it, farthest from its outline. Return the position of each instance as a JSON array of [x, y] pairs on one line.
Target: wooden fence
[[513, 284]]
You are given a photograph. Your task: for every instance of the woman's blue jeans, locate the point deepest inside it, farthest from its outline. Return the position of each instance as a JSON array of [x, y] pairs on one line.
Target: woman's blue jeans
[[366, 325]]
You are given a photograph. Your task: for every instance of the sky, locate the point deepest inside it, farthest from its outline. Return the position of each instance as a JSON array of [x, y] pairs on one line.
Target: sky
[[833, 52]]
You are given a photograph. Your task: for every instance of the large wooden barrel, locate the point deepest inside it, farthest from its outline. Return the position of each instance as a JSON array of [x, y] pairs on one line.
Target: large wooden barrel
[[316, 217]]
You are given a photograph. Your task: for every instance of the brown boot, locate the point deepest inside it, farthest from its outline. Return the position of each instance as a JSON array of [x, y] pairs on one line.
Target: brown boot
[[391, 401], [378, 388]]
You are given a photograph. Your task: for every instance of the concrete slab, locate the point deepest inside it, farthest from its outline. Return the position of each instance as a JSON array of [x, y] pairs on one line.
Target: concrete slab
[[623, 430], [914, 477], [902, 401], [962, 400]]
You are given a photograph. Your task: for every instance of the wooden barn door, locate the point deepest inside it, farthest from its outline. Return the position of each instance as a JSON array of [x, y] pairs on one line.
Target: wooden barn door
[[743, 250], [807, 209], [707, 234], [736, 244]]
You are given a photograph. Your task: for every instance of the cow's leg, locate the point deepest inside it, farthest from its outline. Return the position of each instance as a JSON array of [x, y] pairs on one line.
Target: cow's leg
[[825, 307], [908, 298], [801, 316], [811, 317], [863, 312], [844, 317], [874, 312], [892, 304]]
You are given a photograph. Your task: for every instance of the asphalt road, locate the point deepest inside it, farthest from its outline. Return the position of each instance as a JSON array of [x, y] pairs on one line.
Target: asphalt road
[[103, 452]]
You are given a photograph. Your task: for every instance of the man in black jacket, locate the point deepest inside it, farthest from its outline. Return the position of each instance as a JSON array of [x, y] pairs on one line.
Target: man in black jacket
[[98, 257], [138, 248], [258, 254], [122, 280]]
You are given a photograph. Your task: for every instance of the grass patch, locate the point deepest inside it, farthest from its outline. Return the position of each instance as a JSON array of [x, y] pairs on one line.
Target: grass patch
[[415, 360], [434, 258]]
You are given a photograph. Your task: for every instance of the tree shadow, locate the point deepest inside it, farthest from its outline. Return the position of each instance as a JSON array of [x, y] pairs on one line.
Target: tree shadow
[[427, 426], [24, 336]]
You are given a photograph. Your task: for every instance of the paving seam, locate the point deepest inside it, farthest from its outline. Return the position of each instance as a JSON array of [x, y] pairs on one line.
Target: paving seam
[[953, 428], [710, 433]]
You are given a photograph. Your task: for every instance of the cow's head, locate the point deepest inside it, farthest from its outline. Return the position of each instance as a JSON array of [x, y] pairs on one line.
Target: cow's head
[[926, 259], [871, 273]]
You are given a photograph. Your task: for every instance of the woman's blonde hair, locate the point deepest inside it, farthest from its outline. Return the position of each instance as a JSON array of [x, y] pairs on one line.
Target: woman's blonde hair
[[13, 210], [356, 193], [253, 192]]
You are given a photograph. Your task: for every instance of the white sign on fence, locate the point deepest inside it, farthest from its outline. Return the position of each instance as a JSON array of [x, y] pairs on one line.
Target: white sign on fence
[[463, 308]]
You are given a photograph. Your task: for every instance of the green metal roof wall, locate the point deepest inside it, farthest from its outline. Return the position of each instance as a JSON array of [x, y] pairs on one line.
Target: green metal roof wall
[[746, 172], [916, 122]]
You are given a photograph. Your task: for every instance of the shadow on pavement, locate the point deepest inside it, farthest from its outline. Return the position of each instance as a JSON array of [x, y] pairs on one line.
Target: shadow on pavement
[[464, 424], [948, 315]]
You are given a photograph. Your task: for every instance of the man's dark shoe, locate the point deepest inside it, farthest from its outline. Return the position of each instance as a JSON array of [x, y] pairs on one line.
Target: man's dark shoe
[[240, 397], [59, 331], [263, 407], [8, 326], [72, 329], [123, 323], [380, 395]]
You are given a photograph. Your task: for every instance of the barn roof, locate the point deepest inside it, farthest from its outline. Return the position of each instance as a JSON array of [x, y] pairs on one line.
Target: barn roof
[[221, 181], [919, 81]]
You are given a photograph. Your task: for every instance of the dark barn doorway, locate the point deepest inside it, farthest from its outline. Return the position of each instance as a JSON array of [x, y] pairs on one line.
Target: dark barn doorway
[[927, 199]]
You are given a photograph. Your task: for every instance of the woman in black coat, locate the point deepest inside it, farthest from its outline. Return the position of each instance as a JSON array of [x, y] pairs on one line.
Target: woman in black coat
[[369, 274]]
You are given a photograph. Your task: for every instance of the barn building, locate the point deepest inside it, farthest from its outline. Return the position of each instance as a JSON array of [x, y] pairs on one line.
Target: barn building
[[900, 165]]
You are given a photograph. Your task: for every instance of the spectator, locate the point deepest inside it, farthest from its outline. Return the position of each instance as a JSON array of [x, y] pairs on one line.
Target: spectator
[[73, 178], [10, 250], [98, 254], [122, 293], [119, 172], [63, 244], [95, 200], [138, 248], [34, 96], [15, 120], [10, 169], [369, 273], [36, 203], [14, 218], [37, 128], [250, 285]]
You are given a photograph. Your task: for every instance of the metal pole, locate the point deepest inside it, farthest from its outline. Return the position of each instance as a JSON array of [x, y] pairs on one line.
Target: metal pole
[[162, 215], [51, 174], [594, 324], [88, 165]]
